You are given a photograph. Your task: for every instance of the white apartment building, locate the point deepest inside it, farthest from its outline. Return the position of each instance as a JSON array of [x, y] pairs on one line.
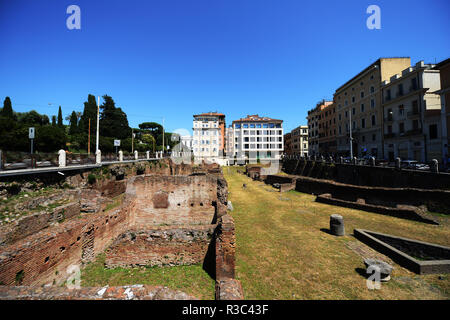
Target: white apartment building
[[256, 137], [412, 110], [208, 139]]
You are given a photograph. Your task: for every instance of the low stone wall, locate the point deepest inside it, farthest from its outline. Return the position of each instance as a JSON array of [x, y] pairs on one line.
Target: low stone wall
[[134, 292], [405, 212], [366, 175], [433, 200], [164, 246]]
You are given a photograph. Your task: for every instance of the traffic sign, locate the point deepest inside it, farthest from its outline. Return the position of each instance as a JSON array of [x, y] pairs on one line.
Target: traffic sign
[[31, 133], [116, 143]]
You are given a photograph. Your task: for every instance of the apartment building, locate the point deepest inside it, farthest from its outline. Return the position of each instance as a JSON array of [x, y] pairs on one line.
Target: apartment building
[[299, 141], [257, 137], [444, 92], [327, 130], [358, 104], [208, 139], [412, 114], [314, 125], [186, 141], [229, 141], [288, 143]]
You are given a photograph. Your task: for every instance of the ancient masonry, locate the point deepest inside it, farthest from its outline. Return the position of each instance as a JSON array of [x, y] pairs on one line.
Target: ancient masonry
[[170, 215]]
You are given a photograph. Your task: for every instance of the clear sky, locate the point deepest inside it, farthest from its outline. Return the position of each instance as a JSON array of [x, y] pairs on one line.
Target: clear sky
[[175, 58]]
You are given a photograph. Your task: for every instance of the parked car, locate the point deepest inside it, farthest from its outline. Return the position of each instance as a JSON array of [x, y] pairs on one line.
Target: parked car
[[414, 165]]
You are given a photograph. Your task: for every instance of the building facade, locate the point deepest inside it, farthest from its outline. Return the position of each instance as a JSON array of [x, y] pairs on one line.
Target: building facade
[[327, 130], [186, 141], [208, 139], [299, 141], [358, 106], [412, 114], [288, 143], [444, 92], [315, 125], [257, 137]]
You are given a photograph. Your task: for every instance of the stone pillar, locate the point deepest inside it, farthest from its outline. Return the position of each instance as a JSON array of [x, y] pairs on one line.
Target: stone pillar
[[341, 160], [120, 155], [337, 225], [98, 156], [372, 161], [135, 155], [148, 155], [354, 160], [434, 166], [61, 158], [398, 162]]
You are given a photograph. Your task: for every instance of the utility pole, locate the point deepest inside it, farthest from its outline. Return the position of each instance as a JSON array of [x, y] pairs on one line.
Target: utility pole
[[132, 140], [351, 139], [89, 139], [98, 122]]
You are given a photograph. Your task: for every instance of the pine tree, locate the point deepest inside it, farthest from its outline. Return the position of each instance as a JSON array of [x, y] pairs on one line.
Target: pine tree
[[7, 110], [53, 120], [60, 118]]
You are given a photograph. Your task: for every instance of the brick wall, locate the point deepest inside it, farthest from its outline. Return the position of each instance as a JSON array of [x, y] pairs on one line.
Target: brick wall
[[163, 246]]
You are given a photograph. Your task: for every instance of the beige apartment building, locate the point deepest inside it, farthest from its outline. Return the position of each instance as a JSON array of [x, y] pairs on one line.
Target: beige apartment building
[[412, 114], [314, 119], [299, 141], [359, 105]]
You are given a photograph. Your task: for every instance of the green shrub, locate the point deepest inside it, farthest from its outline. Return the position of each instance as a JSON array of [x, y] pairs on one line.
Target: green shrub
[[92, 178]]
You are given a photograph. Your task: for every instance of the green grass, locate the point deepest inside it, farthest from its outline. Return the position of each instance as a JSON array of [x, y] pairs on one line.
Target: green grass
[[192, 279], [282, 251]]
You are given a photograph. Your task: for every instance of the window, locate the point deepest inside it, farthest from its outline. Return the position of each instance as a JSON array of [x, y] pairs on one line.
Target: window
[[401, 127], [245, 125], [340, 117], [400, 89], [433, 131], [401, 110], [363, 123], [353, 111], [373, 120], [362, 107], [374, 137], [372, 89], [362, 94], [389, 129], [372, 103], [353, 99]]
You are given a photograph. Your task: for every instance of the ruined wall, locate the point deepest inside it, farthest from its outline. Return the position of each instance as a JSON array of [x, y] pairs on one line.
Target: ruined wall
[[367, 175], [163, 246], [43, 257], [173, 200]]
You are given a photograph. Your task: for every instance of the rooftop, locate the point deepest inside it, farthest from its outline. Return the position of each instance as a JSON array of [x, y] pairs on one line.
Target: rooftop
[[257, 118]]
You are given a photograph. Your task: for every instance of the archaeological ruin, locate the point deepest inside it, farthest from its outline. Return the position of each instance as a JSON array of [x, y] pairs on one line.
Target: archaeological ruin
[[152, 213]]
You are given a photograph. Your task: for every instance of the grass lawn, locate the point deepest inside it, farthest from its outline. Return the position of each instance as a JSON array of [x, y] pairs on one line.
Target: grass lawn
[[283, 251], [192, 280]]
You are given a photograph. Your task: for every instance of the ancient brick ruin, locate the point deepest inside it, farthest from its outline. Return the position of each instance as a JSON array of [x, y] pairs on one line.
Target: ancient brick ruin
[[170, 215]]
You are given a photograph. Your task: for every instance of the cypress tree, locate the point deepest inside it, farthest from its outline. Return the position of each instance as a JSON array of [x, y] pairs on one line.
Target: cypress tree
[[60, 118], [7, 110]]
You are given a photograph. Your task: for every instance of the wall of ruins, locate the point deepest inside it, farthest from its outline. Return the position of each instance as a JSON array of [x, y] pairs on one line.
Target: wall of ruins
[[366, 175]]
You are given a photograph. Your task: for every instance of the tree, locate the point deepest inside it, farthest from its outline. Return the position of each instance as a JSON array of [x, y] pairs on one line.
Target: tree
[[60, 118], [152, 127], [89, 112], [54, 121], [7, 110], [50, 139], [73, 129], [113, 121]]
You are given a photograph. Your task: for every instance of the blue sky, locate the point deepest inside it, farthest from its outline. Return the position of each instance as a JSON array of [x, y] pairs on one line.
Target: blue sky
[[175, 58]]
